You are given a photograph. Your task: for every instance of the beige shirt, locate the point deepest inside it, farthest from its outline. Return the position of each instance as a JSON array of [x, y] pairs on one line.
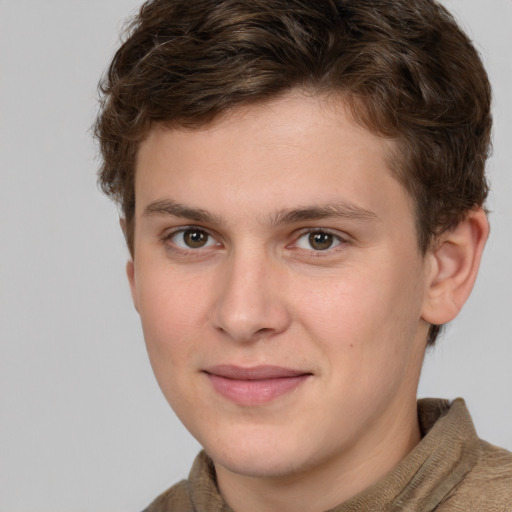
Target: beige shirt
[[450, 470]]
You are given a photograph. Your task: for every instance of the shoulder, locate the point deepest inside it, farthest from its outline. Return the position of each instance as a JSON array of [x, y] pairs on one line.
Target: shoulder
[[176, 498], [487, 486]]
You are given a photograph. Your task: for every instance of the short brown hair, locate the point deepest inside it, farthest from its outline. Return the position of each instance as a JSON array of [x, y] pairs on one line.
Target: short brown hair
[[406, 69]]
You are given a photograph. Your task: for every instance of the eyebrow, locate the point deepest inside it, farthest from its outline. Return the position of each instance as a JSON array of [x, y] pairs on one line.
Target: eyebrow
[[174, 209], [337, 209]]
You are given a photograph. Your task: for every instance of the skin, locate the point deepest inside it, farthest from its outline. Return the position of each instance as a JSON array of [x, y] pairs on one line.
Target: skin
[[254, 289]]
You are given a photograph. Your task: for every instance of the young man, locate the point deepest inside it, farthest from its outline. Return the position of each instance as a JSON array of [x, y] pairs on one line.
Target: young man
[[302, 188]]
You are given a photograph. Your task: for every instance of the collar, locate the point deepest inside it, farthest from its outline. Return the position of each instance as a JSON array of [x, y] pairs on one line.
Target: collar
[[447, 452]]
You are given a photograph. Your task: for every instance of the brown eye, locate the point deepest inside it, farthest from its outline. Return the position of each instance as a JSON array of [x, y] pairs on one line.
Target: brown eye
[[191, 238], [320, 241], [195, 238]]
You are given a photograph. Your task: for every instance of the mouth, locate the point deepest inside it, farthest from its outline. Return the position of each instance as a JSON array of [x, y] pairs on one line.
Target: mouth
[[254, 386]]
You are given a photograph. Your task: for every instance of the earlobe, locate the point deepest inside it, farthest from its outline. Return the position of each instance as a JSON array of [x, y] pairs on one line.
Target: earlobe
[[455, 263], [130, 273]]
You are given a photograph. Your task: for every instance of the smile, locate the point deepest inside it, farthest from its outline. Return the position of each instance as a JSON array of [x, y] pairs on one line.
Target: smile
[[254, 386]]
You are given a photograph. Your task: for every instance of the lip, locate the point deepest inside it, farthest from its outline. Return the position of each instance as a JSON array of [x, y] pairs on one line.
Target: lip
[[256, 385]]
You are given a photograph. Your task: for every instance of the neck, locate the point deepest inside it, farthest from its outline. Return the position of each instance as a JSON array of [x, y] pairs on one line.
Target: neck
[[327, 483]]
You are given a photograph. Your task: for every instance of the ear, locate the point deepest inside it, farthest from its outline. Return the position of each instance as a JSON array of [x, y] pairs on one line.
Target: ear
[[130, 273], [454, 266], [130, 269]]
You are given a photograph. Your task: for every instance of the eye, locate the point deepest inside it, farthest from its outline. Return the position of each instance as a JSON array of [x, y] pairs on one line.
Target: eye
[[192, 238], [318, 241]]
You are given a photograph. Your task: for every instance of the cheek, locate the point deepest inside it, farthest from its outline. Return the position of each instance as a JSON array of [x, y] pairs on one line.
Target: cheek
[[360, 306], [171, 314]]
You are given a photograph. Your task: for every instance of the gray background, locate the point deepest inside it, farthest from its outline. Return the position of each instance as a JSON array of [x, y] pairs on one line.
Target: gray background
[[83, 426]]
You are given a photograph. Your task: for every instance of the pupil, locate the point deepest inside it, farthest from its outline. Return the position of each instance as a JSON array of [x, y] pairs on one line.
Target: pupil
[[194, 238], [320, 241]]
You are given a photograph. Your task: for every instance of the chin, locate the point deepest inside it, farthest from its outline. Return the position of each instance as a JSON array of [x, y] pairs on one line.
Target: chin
[[260, 466], [263, 458]]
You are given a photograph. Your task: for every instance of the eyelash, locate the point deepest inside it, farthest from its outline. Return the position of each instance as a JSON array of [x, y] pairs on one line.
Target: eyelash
[[167, 239], [336, 241]]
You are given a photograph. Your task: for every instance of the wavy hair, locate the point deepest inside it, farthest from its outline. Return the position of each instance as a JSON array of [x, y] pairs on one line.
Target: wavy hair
[[405, 68]]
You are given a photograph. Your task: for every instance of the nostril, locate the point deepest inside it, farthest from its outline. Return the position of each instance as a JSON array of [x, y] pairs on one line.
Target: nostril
[[264, 330]]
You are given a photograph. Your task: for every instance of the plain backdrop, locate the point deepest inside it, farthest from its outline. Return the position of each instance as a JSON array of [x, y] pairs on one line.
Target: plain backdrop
[[83, 426]]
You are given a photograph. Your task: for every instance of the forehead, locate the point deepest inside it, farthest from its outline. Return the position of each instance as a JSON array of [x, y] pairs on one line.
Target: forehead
[[298, 149]]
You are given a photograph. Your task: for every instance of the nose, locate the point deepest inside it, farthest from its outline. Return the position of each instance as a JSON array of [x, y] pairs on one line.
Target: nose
[[251, 300]]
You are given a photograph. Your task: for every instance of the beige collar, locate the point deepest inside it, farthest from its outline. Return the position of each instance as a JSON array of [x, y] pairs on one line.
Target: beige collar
[[447, 452]]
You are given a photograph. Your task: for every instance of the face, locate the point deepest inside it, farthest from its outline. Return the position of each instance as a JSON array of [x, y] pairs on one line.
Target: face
[[280, 286]]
